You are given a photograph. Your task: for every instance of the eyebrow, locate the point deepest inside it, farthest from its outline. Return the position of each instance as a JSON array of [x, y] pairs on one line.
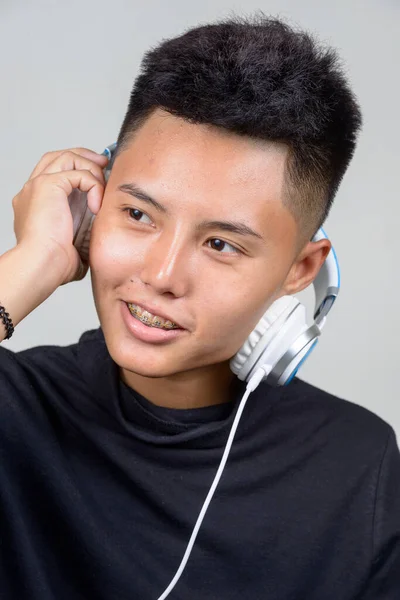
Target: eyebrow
[[232, 226], [135, 191]]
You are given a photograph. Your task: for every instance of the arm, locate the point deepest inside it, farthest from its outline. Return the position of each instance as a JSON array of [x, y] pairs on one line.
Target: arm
[[28, 276], [44, 257]]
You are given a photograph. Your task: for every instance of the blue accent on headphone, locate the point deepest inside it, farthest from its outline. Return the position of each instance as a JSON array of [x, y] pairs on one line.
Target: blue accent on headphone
[[109, 150], [335, 257], [294, 373]]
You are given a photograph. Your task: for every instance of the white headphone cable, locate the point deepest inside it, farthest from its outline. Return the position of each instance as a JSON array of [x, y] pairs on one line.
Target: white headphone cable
[[251, 386]]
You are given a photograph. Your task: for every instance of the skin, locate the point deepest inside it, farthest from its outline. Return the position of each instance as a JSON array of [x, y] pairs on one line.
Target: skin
[[216, 291]]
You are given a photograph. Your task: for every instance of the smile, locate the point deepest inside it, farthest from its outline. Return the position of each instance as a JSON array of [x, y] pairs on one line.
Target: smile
[[149, 319]]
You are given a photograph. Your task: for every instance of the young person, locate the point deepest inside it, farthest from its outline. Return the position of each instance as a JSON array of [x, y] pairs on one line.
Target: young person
[[235, 141]]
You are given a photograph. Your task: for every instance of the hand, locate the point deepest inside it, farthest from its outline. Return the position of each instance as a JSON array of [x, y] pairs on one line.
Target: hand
[[42, 217]]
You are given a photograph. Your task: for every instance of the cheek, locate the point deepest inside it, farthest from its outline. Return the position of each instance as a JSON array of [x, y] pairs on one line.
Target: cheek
[[229, 314], [113, 257]]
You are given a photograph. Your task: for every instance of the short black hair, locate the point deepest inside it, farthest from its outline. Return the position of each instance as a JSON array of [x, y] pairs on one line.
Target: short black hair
[[259, 77]]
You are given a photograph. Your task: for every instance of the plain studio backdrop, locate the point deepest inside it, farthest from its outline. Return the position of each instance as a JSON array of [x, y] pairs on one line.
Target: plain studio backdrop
[[67, 69]]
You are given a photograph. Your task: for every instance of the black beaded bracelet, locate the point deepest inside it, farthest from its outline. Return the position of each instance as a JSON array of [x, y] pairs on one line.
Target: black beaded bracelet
[[7, 322]]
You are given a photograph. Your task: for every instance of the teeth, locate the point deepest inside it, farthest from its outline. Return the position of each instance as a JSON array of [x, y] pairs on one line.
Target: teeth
[[149, 319], [146, 317]]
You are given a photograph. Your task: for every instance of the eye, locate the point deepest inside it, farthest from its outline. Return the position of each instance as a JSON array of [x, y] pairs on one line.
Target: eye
[[137, 215], [222, 247]]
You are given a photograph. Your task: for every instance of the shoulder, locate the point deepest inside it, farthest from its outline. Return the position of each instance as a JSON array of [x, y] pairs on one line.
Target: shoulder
[[341, 409], [36, 367], [337, 426], [41, 382], [45, 359]]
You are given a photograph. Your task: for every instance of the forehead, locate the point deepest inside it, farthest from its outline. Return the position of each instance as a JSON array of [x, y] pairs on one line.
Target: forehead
[[163, 139], [202, 167]]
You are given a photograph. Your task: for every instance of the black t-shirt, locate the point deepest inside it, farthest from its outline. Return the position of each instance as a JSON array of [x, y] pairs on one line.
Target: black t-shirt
[[100, 489]]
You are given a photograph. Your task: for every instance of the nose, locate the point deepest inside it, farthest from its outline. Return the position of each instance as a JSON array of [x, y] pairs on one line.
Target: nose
[[166, 265]]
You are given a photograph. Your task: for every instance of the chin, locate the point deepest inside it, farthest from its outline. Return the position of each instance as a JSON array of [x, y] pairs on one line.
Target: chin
[[150, 363], [152, 372]]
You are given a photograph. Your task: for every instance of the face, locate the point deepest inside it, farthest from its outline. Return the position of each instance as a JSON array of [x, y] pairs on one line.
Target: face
[[193, 227]]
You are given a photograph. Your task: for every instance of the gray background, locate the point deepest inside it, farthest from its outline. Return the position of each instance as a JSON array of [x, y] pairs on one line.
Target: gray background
[[66, 73]]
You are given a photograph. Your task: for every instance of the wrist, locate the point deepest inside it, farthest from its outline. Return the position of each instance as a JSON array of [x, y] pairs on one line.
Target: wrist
[[29, 274], [47, 259]]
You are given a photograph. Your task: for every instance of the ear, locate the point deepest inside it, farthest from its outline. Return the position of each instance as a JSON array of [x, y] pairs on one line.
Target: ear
[[306, 266]]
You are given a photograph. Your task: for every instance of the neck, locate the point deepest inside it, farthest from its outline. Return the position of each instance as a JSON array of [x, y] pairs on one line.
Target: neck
[[191, 389]]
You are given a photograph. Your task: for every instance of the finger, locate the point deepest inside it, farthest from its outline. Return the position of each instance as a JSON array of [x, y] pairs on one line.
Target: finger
[[68, 161], [82, 180], [49, 157]]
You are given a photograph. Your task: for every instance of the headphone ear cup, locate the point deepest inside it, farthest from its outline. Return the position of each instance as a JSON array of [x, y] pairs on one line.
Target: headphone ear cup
[[83, 217], [291, 365], [286, 352], [262, 335], [82, 241]]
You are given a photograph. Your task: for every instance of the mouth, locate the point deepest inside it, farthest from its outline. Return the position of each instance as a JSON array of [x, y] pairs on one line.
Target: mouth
[[150, 319]]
